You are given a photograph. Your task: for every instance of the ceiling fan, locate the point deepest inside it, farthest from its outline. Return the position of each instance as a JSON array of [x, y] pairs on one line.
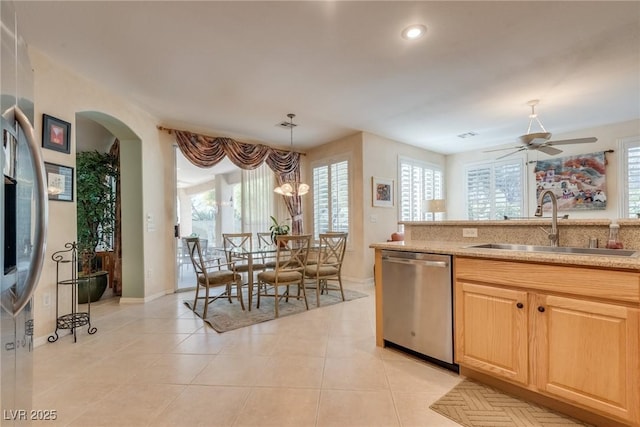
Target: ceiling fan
[[540, 141]]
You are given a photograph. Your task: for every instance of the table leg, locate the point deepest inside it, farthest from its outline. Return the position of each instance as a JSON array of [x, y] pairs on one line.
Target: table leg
[[250, 279]]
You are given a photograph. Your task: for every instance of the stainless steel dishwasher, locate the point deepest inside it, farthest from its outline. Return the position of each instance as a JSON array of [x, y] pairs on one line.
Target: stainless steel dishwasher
[[417, 304]]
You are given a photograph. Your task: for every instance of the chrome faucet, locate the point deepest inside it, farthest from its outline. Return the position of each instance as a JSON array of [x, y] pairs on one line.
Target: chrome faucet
[[553, 234]]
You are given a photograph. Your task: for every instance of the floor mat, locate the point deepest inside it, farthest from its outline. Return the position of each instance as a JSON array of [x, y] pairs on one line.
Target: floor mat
[[472, 404], [223, 316]]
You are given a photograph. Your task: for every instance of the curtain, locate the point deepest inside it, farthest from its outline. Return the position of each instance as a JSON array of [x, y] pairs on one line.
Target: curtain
[[206, 151], [257, 199]]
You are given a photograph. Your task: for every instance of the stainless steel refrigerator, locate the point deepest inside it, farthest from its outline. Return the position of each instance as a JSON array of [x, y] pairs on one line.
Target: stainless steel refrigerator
[[23, 221]]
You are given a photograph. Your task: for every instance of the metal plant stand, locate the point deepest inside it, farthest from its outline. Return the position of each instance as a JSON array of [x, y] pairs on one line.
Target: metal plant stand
[[68, 260]]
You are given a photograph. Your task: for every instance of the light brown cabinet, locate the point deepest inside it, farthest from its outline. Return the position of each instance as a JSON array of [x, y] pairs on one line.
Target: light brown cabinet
[[492, 330], [577, 345]]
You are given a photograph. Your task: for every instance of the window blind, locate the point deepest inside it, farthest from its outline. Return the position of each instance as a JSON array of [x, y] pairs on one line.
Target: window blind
[[418, 181], [331, 197], [495, 190], [631, 165]]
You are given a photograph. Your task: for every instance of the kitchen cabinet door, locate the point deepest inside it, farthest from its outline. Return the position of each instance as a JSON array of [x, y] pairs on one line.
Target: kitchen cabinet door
[[491, 330], [587, 353]]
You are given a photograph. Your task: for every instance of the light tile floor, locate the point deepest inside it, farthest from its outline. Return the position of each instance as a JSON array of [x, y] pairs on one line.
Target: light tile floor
[[157, 364]]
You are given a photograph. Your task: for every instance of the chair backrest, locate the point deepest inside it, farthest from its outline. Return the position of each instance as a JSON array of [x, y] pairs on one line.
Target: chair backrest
[[292, 252], [194, 250], [332, 248], [236, 243], [264, 239]]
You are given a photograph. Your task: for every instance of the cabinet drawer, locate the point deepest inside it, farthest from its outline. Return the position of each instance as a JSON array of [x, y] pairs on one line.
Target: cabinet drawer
[[606, 284]]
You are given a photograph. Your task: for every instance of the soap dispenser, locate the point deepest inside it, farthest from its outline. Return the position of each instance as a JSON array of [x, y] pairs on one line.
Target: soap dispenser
[[614, 241]]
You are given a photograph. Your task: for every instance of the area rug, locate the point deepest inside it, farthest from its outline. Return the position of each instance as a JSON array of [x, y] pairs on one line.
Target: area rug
[[224, 317], [472, 404]]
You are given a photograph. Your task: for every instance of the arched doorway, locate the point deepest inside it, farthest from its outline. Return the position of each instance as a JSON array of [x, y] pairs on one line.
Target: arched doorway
[[131, 200]]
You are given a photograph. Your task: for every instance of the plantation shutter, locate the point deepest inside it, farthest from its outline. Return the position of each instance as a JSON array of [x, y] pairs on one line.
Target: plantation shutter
[[632, 178], [340, 196], [495, 190], [418, 182], [331, 197]]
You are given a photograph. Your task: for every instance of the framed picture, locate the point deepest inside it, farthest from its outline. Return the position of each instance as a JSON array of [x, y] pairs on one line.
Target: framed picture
[[382, 192], [59, 182], [10, 145], [55, 134]]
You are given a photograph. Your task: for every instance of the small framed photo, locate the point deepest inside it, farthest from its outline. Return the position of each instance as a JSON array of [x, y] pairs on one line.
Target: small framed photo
[[59, 182], [382, 192], [10, 145], [55, 134]]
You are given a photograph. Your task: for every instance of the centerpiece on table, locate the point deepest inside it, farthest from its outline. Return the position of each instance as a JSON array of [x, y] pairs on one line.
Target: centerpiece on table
[[278, 229]]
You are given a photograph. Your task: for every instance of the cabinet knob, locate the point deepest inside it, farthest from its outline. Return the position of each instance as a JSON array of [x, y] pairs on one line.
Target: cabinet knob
[[541, 309], [519, 305]]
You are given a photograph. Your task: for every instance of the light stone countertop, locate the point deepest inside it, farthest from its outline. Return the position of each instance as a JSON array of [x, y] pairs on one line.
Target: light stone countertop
[[462, 249]]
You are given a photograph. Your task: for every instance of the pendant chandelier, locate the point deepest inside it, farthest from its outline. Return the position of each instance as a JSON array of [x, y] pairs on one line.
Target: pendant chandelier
[[291, 188]]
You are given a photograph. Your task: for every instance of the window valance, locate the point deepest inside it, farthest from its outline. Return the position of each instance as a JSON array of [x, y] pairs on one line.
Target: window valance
[[206, 151]]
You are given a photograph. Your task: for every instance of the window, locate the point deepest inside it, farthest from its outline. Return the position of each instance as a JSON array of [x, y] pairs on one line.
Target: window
[[495, 190], [630, 177], [418, 181], [330, 197]]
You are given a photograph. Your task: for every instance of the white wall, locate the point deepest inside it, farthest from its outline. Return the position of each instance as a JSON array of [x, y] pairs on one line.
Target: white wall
[[61, 93], [380, 159], [369, 155], [607, 140]]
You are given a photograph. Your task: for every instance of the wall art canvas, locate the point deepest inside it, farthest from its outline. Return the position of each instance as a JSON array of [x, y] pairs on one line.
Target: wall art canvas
[[382, 192], [578, 182]]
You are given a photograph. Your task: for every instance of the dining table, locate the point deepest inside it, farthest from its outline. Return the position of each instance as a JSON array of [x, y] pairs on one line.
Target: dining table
[[257, 256]]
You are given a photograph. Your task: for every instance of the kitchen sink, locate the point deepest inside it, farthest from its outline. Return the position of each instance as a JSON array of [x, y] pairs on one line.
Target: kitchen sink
[[558, 249]]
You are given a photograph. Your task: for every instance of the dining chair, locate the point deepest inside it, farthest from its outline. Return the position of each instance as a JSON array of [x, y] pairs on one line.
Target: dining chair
[[329, 264], [264, 242], [291, 256], [238, 248], [210, 274]]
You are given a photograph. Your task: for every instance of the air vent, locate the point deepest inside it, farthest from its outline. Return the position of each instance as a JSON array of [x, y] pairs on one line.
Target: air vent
[[467, 135]]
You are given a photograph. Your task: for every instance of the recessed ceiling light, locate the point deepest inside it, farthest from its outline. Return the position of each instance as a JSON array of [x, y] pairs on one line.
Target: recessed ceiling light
[[413, 32]]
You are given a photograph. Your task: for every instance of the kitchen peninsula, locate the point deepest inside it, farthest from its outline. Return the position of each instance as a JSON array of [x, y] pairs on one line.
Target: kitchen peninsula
[[558, 328]]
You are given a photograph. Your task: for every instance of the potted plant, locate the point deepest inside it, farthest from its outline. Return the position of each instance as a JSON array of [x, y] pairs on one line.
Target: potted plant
[[95, 216], [278, 229]]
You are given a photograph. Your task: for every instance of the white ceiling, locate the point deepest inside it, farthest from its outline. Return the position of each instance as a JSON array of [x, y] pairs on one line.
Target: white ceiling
[[237, 68]]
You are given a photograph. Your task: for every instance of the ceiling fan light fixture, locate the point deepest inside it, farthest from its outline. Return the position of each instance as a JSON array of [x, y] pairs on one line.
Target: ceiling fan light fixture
[[413, 32]]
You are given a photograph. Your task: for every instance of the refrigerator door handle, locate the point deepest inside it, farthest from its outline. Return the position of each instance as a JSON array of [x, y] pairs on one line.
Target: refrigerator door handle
[[40, 229]]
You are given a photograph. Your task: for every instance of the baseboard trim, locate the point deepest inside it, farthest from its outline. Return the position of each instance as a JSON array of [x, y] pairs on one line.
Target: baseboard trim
[[129, 300]]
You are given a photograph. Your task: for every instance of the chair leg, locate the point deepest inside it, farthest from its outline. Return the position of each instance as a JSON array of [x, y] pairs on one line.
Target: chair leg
[[341, 290], [304, 293], [239, 294], [195, 302], [206, 302], [318, 292], [229, 289], [275, 287], [259, 287]]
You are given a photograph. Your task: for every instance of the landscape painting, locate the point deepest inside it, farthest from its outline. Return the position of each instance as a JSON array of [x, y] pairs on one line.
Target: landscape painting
[[579, 182]]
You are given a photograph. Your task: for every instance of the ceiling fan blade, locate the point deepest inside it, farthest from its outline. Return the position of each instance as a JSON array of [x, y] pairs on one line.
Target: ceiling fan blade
[[512, 153], [501, 149], [549, 150], [573, 141]]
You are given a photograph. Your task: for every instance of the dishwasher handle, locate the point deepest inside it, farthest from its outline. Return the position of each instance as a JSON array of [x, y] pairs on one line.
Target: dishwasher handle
[[426, 263]]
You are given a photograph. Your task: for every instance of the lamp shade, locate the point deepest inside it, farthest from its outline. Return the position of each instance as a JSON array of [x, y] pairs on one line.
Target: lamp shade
[[435, 205]]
